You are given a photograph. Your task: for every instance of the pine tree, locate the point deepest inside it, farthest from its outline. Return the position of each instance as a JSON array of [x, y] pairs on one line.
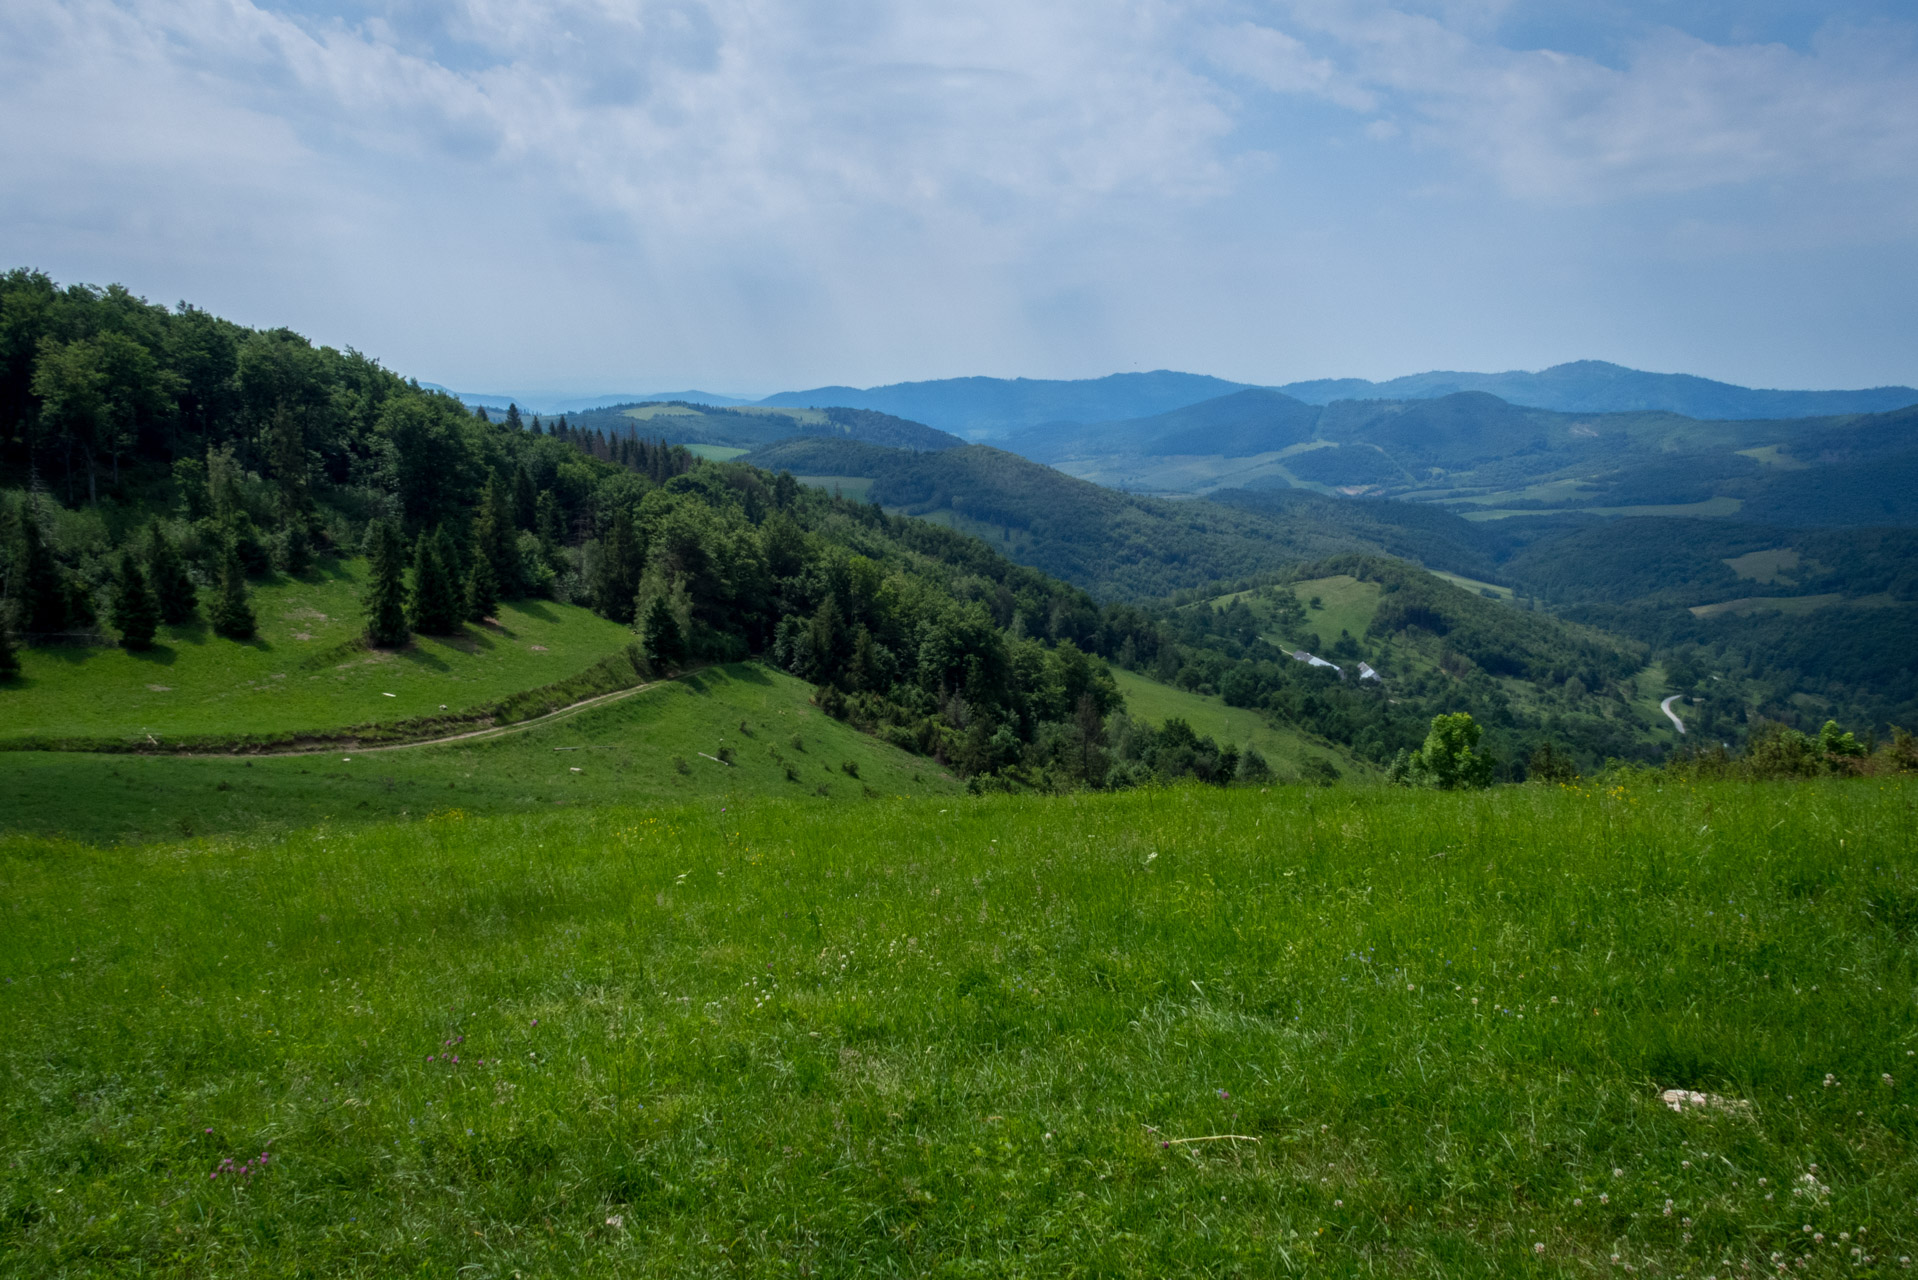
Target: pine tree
[[436, 606], [512, 418], [495, 542], [525, 500], [549, 523], [616, 574], [172, 586], [482, 590], [386, 587], [136, 614], [232, 613], [43, 587], [665, 643]]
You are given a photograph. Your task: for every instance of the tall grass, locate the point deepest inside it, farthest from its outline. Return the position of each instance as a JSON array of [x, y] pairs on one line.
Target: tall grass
[[996, 1036]]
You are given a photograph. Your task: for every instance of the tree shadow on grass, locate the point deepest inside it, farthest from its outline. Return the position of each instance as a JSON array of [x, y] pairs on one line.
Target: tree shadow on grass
[[749, 673], [541, 609]]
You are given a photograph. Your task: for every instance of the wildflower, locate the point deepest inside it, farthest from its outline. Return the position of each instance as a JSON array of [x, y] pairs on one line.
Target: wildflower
[[1618, 1173], [1577, 1203], [1538, 1247], [1684, 1164], [1223, 1095], [617, 1220], [1338, 1204], [1603, 1198]]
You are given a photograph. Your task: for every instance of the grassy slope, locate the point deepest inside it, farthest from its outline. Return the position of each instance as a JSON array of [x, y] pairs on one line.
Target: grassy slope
[[957, 1036], [295, 675], [1284, 749], [633, 745]]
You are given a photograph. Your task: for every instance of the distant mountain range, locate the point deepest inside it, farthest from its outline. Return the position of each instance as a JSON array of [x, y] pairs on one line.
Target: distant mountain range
[[985, 408], [1593, 386]]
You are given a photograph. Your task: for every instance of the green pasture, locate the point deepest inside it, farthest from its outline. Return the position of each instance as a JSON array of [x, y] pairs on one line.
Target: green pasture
[[1284, 748], [1297, 1032], [1346, 604], [854, 487], [305, 670], [734, 731], [715, 452]]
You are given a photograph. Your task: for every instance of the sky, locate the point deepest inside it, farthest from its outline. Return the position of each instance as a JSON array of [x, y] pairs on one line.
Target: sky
[[587, 196]]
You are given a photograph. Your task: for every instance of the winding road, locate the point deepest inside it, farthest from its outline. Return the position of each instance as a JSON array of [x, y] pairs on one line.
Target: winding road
[[1666, 707]]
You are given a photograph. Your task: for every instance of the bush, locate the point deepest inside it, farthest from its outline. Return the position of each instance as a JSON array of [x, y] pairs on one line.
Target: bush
[[1449, 760]]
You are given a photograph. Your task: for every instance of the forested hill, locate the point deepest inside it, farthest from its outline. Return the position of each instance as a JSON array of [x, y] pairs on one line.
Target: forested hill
[[1121, 546]]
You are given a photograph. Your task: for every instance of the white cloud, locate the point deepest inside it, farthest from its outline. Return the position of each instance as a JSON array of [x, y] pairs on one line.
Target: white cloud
[[866, 188]]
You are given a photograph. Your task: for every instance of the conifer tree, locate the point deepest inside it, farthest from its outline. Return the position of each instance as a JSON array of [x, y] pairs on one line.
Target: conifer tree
[[436, 605], [232, 612], [136, 615], [172, 586], [43, 588], [495, 542], [513, 422], [660, 633], [525, 500], [616, 573], [482, 590], [386, 586]]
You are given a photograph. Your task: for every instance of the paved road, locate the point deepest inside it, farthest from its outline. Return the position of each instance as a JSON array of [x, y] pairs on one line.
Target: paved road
[[1666, 707]]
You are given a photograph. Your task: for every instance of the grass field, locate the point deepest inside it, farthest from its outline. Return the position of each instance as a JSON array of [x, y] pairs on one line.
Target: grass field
[[1347, 604], [627, 752], [853, 487], [304, 671], [1300, 1032], [716, 452], [1284, 749]]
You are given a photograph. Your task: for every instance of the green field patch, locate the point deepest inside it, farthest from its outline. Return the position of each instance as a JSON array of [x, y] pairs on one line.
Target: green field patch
[[1710, 508], [1748, 605], [1489, 589], [1284, 749], [853, 487], [1771, 455], [304, 672], [670, 743], [1168, 1032], [648, 412], [715, 452], [1776, 565], [1346, 605]]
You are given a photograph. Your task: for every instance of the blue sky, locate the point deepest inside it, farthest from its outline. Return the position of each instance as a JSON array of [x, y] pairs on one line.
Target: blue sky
[[580, 196]]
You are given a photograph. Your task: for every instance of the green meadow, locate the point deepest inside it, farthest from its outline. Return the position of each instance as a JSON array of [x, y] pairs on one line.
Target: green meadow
[[723, 732], [1283, 747], [1285, 1032], [306, 670]]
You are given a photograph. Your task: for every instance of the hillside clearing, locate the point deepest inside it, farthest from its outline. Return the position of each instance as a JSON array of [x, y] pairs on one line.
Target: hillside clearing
[[306, 670], [629, 751]]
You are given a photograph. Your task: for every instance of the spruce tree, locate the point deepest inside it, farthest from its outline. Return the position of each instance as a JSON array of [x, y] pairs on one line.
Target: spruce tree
[[525, 500], [136, 614], [660, 633], [172, 586], [616, 573], [482, 590], [436, 605], [232, 613], [512, 418], [386, 587], [43, 587], [496, 542]]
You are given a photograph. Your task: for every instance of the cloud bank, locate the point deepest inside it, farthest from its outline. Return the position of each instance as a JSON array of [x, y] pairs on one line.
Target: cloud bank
[[595, 195]]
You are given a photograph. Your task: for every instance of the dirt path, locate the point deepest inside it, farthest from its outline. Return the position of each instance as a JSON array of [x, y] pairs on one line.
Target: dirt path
[[1666, 707], [471, 735]]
